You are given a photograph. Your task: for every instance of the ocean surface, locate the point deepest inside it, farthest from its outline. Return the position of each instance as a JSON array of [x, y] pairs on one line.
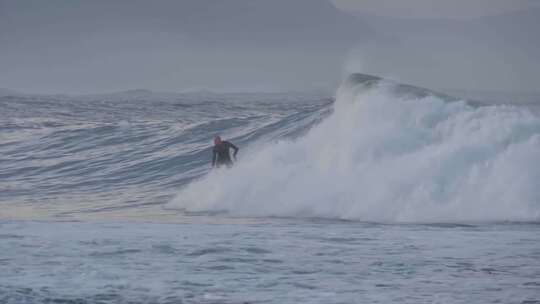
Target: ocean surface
[[383, 193]]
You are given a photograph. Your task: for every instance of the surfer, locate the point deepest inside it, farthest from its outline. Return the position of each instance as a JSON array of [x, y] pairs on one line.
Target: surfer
[[221, 154]]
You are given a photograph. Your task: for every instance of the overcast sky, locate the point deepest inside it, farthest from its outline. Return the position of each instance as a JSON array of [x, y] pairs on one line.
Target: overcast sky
[[75, 46], [453, 9]]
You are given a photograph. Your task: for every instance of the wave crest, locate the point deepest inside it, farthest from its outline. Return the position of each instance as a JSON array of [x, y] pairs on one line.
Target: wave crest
[[391, 156]]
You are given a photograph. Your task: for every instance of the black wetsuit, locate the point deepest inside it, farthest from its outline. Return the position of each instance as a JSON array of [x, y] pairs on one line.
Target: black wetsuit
[[221, 154]]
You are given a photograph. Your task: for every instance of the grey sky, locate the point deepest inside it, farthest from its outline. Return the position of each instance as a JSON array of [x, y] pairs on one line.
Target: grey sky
[[103, 45], [75, 46], [458, 9], [485, 53]]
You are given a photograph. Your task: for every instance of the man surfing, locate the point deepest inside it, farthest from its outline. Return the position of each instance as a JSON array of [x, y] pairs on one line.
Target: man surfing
[[221, 154]]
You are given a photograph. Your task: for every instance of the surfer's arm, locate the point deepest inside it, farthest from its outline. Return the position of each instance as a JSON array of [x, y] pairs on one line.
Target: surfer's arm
[[235, 148]]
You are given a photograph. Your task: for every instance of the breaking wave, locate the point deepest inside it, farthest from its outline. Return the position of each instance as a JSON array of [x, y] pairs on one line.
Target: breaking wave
[[390, 153]]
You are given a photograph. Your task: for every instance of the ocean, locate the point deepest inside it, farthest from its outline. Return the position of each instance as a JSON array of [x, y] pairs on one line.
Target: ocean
[[382, 193]]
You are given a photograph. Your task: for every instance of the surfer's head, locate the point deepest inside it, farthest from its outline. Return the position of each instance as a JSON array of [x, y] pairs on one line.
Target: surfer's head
[[217, 140]]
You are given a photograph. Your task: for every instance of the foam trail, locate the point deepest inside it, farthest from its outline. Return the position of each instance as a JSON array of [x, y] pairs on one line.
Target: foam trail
[[383, 156]]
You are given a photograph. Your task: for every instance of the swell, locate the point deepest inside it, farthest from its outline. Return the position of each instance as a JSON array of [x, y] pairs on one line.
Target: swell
[[77, 154]]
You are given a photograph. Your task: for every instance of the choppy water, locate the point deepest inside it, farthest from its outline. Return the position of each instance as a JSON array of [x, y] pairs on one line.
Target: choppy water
[[390, 194], [268, 261]]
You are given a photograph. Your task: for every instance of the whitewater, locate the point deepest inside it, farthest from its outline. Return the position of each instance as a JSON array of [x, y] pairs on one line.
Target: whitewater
[[385, 192], [389, 154]]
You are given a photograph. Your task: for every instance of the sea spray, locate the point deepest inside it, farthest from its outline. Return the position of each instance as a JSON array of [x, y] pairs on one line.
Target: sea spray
[[388, 154]]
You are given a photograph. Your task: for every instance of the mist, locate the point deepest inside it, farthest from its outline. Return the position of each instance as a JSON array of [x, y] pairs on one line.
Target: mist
[[490, 53]]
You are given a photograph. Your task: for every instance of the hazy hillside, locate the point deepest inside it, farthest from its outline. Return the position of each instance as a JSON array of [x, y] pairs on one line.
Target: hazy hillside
[[269, 22], [8, 92]]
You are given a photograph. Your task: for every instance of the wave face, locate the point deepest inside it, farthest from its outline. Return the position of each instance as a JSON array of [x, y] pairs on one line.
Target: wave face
[[67, 156], [389, 153]]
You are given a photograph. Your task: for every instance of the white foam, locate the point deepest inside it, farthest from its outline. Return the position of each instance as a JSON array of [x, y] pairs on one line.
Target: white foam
[[379, 157]]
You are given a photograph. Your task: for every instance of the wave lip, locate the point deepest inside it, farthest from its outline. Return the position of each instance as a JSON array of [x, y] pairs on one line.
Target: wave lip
[[389, 152]]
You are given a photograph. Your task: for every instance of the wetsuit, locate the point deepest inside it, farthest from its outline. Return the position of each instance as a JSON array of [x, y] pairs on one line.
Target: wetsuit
[[221, 154]]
